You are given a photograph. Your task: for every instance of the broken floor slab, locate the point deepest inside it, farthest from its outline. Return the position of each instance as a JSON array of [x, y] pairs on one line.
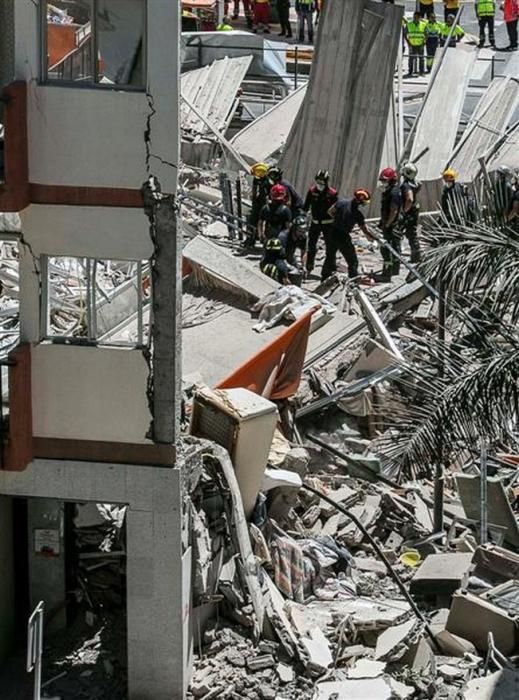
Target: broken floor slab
[[251, 143], [218, 267], [441, 574], [503, 685], [499, 509]]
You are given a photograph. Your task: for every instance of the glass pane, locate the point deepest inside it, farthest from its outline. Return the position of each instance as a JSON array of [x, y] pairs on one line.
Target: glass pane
[[120, 39], [69, 40], [122, 302], [67, 297]]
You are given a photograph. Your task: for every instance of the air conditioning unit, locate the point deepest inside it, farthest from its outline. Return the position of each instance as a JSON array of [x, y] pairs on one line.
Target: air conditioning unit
[[243, 422]]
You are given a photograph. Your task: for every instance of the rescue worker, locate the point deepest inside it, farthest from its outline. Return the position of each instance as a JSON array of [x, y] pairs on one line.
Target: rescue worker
[[305, 15], [453, 197], [273, 263], [410, 212], [445, 30], [294, 201], [283, 7], [346, 213], [450, 7], [319, 200], [296, 239], [390, 210], [510, 10], [246, 11], [261, 16], [415, 37], [225, 25], [426, 8], [506, 193], [275, 216], [432, 39], [260, 196], [486, 12]]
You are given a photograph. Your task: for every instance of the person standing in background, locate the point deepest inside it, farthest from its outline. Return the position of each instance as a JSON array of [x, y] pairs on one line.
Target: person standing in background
[[283, 7], [510, 10]]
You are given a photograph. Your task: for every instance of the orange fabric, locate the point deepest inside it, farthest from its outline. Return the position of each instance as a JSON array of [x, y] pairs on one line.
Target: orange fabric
[[275, 371]]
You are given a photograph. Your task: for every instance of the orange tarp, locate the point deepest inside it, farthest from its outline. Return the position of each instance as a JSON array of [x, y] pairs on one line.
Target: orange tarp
[[275, 371]]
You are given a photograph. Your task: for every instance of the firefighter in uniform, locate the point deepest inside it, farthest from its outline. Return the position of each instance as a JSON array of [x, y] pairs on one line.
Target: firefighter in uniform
[[409, 190], [390, 210], [319, 200]]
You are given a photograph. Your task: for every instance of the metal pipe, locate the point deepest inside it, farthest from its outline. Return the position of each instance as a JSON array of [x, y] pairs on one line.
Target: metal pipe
[[353, 462], [483, 538], [396, 578]]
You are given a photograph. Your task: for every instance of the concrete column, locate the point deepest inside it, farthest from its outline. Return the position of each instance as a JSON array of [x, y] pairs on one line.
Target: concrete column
[[158, 602], [6, 578]]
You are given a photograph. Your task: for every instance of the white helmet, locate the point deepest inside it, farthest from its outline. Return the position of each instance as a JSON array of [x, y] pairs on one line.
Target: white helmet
[[409, 171]]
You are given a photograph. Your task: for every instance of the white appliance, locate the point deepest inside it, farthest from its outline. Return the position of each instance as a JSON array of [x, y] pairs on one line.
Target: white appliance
[[243, 422]]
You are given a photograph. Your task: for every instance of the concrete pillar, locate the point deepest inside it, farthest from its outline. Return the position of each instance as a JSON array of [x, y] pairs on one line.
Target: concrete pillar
[[6, 577], [158, 602], [46, 569]]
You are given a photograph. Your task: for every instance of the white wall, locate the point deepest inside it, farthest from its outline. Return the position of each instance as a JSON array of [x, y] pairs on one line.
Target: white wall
[[115, 233], [88, 393], [95, 136]]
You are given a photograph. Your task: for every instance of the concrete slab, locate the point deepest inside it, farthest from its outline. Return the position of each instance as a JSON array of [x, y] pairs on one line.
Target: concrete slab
[[502, 685], [441, 574], [374, 689], [499, 509], [340, 121], [220, 268], [391, 641], [251, 142], [443, 110]]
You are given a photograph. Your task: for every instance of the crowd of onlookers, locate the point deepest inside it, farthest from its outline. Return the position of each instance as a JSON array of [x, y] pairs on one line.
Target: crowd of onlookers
[[258, 14]]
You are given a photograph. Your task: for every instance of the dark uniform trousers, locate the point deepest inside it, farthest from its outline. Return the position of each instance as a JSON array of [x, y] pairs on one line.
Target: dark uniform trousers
[[410, 230], [391, 262], [337, 241], [486, 22], [316, 228]]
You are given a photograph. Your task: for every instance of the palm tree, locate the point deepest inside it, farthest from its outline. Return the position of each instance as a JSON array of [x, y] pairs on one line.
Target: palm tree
[[465, 387]]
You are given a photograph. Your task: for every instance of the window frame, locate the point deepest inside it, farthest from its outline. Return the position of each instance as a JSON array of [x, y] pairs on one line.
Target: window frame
[[143, 269], [94, 84]]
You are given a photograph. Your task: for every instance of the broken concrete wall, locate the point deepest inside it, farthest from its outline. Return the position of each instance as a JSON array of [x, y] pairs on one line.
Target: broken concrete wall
[[343, 119]]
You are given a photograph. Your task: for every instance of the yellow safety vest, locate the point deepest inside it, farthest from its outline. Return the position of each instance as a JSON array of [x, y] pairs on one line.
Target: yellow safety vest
[[416, 33], [486, 8]]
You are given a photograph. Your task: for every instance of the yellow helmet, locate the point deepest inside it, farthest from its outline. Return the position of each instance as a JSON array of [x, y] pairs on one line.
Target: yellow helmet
[[450, 174], [259, 169]]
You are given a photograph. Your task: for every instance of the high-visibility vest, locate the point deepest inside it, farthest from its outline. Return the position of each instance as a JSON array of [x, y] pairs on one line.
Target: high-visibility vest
[[445, 31], [433, 29], [486, 8], [416, 33], [224, 28]]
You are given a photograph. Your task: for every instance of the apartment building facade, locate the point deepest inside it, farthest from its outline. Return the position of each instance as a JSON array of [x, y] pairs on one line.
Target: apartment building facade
[[89, 92]]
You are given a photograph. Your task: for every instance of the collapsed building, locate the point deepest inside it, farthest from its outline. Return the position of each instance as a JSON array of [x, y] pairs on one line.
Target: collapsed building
[[225, 521]]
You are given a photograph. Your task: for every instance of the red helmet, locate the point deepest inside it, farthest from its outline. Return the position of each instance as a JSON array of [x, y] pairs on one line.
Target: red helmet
[[389, 175], [362, 195], [278, 193]]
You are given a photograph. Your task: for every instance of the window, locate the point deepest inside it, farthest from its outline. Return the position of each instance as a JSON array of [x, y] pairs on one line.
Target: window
[[94, 42], [95, 301]]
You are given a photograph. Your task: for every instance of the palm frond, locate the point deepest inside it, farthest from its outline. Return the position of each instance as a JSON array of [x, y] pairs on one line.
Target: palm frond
[[438, 415]]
